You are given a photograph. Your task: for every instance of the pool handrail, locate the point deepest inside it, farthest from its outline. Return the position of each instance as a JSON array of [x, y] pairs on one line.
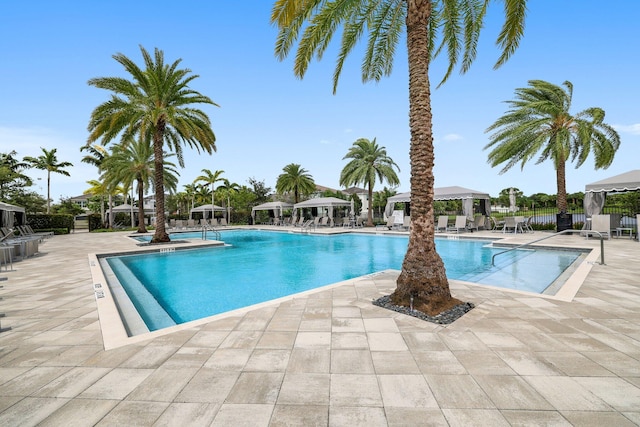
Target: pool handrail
[[553, 235], [205, 228]]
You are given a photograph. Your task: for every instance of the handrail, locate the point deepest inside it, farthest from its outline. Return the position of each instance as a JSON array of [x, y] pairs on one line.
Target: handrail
[[204, 232], [553, 235]]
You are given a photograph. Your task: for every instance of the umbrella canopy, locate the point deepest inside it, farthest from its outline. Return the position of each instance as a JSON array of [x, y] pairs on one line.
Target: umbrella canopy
[[512, 200], [595, 193]]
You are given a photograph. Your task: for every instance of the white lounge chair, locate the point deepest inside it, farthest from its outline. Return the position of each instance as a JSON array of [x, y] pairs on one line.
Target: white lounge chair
[[601, 224], [460, 224], [443, 223]]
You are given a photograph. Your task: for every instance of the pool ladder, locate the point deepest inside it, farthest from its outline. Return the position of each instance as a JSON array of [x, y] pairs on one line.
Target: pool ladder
[[206, 228], [553, 235]]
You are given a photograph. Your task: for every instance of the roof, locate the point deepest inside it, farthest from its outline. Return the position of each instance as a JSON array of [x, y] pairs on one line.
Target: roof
[[443, 193], [272, 205], [628, 181], [9, 207], [354, 190], [322, 202], [205, 208]]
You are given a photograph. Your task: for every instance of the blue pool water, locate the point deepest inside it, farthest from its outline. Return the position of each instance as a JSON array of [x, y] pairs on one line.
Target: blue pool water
[[256, 266]]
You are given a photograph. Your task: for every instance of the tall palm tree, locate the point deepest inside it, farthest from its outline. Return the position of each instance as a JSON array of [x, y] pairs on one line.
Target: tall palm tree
[[296, 180], [368, 161], [539, 121], [97, 188], [134, 161], [96, 156], [457, 23], [191, 190], [227, 189], [48, 161], [155, 104], [211, 178]]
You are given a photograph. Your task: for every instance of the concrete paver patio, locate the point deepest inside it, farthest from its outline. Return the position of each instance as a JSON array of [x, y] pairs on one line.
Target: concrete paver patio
[[329, 358]]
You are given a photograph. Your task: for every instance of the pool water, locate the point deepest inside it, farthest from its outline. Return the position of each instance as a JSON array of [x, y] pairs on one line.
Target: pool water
[[255, 266]]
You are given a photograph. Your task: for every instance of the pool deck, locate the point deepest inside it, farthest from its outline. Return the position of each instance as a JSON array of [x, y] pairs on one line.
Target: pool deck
[[325, 358]]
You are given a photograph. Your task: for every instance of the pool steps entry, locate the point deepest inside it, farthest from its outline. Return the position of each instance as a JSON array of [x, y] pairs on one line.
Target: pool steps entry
[[548, 237]]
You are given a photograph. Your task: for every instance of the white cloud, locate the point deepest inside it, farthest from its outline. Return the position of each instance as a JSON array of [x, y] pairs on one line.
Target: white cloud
[[348, 130], [452, 137], [633, 129], [324, 141]]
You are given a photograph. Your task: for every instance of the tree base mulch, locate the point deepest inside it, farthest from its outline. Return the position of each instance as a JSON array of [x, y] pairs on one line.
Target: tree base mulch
[[445, 318]]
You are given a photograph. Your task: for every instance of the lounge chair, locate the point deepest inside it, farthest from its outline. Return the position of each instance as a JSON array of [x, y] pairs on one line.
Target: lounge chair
[[324, 221], [45, 234], [300, 222], [390, 223], [460, 224], [527, 228], [510, 224], [478, 223], [443, 223], [223, 222], [601, 224], [406, 223]]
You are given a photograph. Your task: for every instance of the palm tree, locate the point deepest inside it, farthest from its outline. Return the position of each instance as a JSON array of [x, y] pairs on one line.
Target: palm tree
[[48, 161], [157, 105], [11, 173], [458, 24], [369, 161], [539, 121], [209, 177], [295, 179], [97, 155], [97, 188], [135, 161], [228, 188]]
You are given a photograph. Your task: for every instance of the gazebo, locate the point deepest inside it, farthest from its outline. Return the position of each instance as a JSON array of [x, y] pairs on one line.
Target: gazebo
[[323, 202], [203, 209], [277, 207], [11, 215], [596, 192], [448, 193]]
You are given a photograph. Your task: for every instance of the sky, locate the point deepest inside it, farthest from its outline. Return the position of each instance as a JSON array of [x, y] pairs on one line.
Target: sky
[[267, 118]]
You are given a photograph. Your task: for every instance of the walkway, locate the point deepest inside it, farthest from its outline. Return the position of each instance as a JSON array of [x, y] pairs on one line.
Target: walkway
[[329, 358]]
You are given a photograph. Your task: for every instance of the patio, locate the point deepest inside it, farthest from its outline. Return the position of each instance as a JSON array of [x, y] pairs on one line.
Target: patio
[[329, 358]]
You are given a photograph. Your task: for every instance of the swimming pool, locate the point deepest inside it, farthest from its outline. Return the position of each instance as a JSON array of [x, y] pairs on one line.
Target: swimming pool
[[173, 287]]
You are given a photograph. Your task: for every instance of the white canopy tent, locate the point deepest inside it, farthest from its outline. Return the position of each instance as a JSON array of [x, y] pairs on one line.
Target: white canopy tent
[[448, 193], [595, 193], [323, 202], [277, 207], [11, 215], [206, 208], [125, 207]]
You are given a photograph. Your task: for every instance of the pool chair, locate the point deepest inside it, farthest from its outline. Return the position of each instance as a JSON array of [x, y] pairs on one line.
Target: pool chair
[[601, 224], [389, 225], [223, 222], [324, 221], [406, 223], [460, 224], [510, 223], [443, 222]]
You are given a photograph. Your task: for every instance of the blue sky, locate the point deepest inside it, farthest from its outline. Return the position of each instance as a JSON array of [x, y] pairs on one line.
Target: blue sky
[[268, 118]]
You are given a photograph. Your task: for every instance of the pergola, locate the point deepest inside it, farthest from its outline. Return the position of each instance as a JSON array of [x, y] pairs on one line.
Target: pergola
[[448, 193], [206, 208], [277, 207], [596, 193], [11, 215], [323, 202]]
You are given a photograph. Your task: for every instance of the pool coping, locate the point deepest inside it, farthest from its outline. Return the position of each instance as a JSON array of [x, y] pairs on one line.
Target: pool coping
[[114, 331]]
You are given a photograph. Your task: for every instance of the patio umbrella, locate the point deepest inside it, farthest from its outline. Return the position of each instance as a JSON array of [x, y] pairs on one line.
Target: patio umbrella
[[512, 200]]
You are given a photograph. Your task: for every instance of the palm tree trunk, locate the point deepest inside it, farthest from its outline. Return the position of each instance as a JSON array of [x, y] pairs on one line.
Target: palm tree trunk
[[48, 192], [160, 236], [141, 227], [370, 207], [110, 209], [423, 278], [561, 201]]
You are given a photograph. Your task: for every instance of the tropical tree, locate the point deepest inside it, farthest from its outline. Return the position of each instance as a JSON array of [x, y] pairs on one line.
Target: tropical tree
[[48, 161], [227, 189], [98, 188], [539, 121], [11, 176], [210, 178], [380, 198], [296, 180], [97, 155], [134, 161], [457, 23], [156, 104], [368, 162]]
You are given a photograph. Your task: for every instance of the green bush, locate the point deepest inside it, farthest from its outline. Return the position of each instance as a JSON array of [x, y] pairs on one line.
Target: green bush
[[48, 222]]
